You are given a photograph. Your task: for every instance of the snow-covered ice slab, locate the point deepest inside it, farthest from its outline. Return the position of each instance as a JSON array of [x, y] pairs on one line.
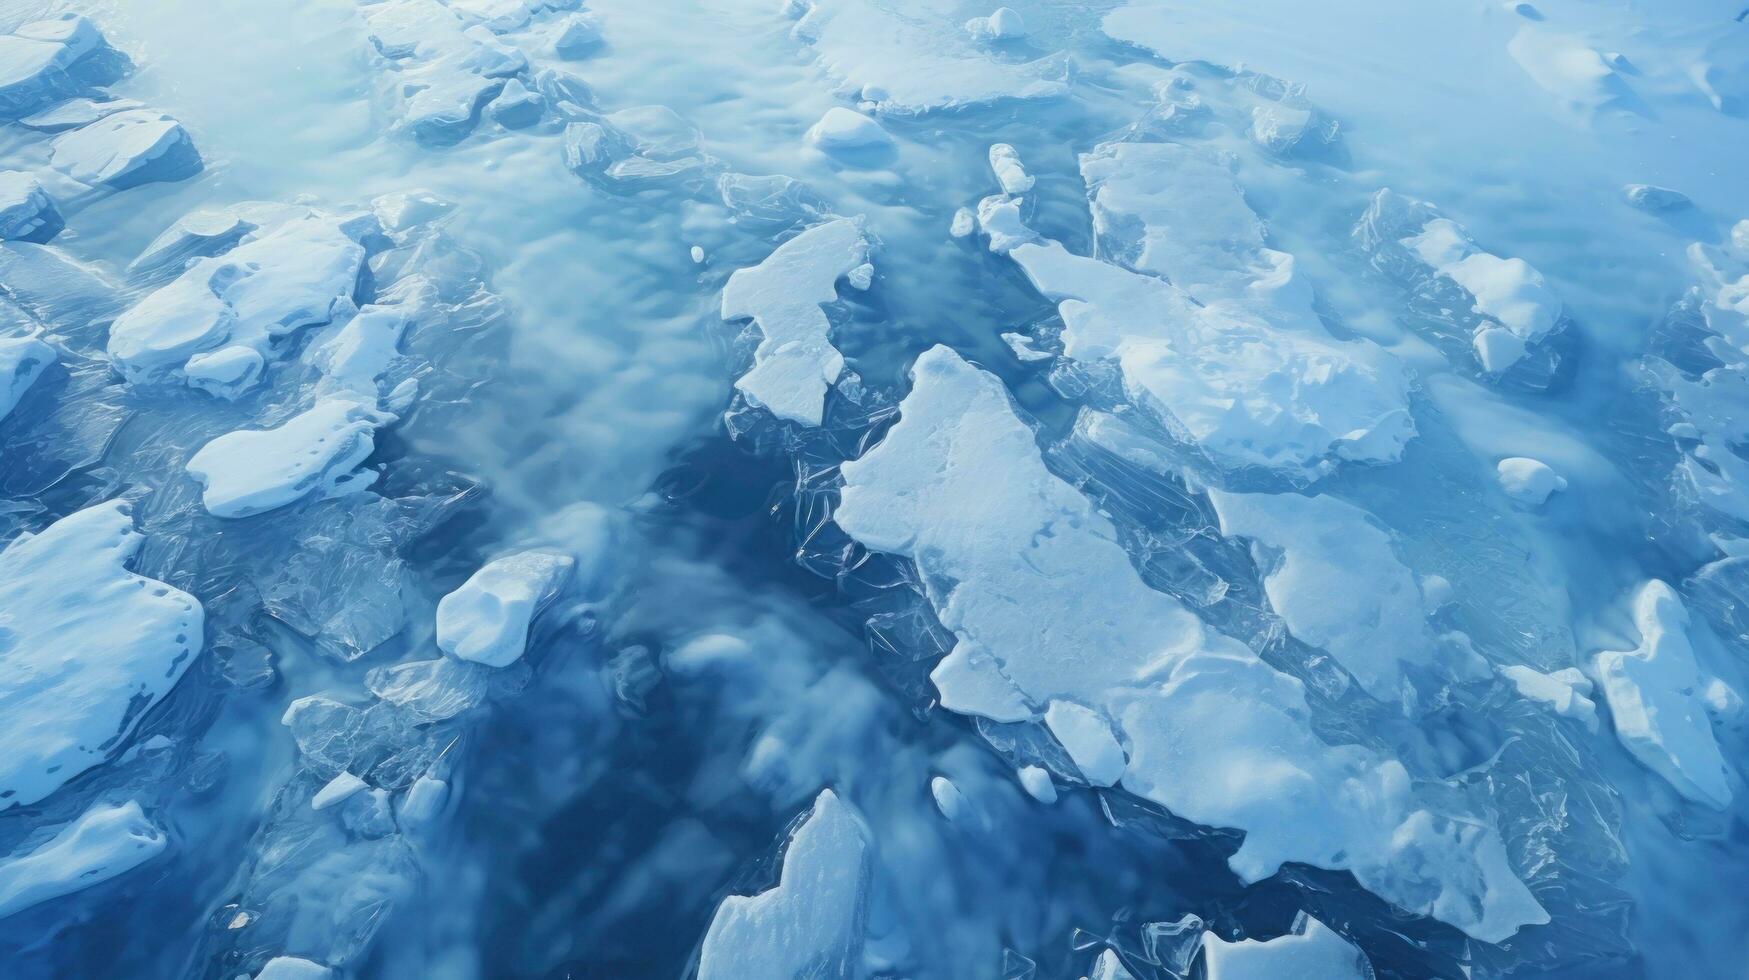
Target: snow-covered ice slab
[[293, 968], [215, 325], [88, 647], [913, 58], [487, 619], [1567, 691], [106, 841], [126, 149], [811, 923], [1046, 607], [252, 471], [36, 58], [1654, 694], [795, 361], [22, 361], [1312, 950], [26, 212]]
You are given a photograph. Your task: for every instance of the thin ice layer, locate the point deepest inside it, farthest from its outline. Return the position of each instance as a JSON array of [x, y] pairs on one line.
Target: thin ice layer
[[104, 842], [811, 923], [1046, 606], [252, 471], [1338, 583], [795, 361], [86, 648], [1311, 950], [1654, 695]]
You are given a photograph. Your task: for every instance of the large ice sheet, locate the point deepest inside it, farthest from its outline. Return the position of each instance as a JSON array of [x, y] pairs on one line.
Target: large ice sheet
[[1045, 606], [810, 924], [104, 842], [88, 648]]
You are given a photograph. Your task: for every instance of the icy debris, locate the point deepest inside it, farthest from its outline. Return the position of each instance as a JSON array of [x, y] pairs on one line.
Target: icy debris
[[352, 355], [795, 361], [293, 968], [810, 924], [633, 148], [500, 16], [1311, 950], [697, 255], [424, 800], [1003, 24], [1241, 369], [1046, 606], [336, 790], [317, 452], [1338, 584], [35, 60], [431, 690], [1288, 126], [1022, 347], [26, 212], [845, 129], [106, 841], [89, 647], [1089, 740], [22, 361], [964, 223], [126, 149], [487, 619], [1037, 783], [1567, 692], [296, 273], [1659, 200], [1655, 703], [1010, 173], [916, 59], [1566, 67], [1528, 481]]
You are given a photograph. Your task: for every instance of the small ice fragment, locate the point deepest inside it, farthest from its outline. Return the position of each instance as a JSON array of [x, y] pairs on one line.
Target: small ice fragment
[[293, 968], [1109, 967], [1497, 348], [1566, 691], [26, 212], [1089, 740], [104, 842], [487, 619], [578, 34], [338, 788], [22, 360], [1037, 783], [1648, 197], [1506, 290], [1003, 24], [1311, 950], [1529, 481], [424, 800], [948, 798], [1010, 173], [251, 471], [516, 105], [964, 223], [861, 277], [126, 149], [846, 129], [1022, 347], [697, 255], [1524, 9]]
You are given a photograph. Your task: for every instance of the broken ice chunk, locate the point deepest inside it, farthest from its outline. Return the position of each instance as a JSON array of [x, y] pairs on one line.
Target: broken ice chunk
[[697, 255], [1010, 173], [1566, 691], [88, 648], [1003, 24], [74, 113], [353, 355], [1311, 950], [126, 149], [104, 842], [846, 129], [1037, 783], [1648, 197], [35, 59], [337, 789], [964, 223], [1109, 967], [424, 800], [811, 923], [487, 619], [293, 968], [795, 361], [948, 799], [1655, 703], [22, 360], [1089, 741], [252, 471], [26, 213], [577, 35], [1528, 481], [516, 105]]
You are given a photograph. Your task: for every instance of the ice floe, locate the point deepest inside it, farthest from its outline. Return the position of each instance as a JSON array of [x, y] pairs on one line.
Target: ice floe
[[487, 619], [126, 149], [38, 58], [104, 842], [316, 452], [1311, 950], [846, 129], [1567, 691]]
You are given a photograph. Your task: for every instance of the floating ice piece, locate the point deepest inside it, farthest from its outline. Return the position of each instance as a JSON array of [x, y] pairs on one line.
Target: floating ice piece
[[1037, 783], [337, 789], [106, 841], [1089, 740], [1654, 695], [1567, 692], [297, 273], [126, 149], [1528, 481], [424, 800], [26, 212], [354, 354], [964, 223], [915, 59], [1010, 173], [795, 361], [252, 471], [1022, 347], [1003, 24], [811, 923], [293, 968], [948, 798], [1338, 584], [516, 105], [22, 360], [577, 35], [1660, 200], [89, 647], [1282, 128], [697, 254], [450, 65], [35, 58], [1311, 950], [1045, 606], [1109, 967], [846, 129], [74, 113], [487, 619]]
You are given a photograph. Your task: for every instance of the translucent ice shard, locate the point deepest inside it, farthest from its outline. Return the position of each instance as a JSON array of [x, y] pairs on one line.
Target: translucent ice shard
[[126, 149], [1046, 606], [810, 924], [795, 362], [487, 619], [1311, 950], [317, 452], [85, 649], [1654, 695], [106, 841]]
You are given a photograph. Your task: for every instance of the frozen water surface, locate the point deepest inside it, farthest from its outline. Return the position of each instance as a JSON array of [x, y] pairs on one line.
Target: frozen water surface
[[1113, 489]]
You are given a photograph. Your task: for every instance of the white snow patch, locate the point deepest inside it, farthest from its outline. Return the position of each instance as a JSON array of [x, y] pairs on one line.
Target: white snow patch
[[1311, 950], [252, 471], [22, 361], [104, 842], [293, 968], [1507, 291], [846, 129], [1567, 692], [486, 620]]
